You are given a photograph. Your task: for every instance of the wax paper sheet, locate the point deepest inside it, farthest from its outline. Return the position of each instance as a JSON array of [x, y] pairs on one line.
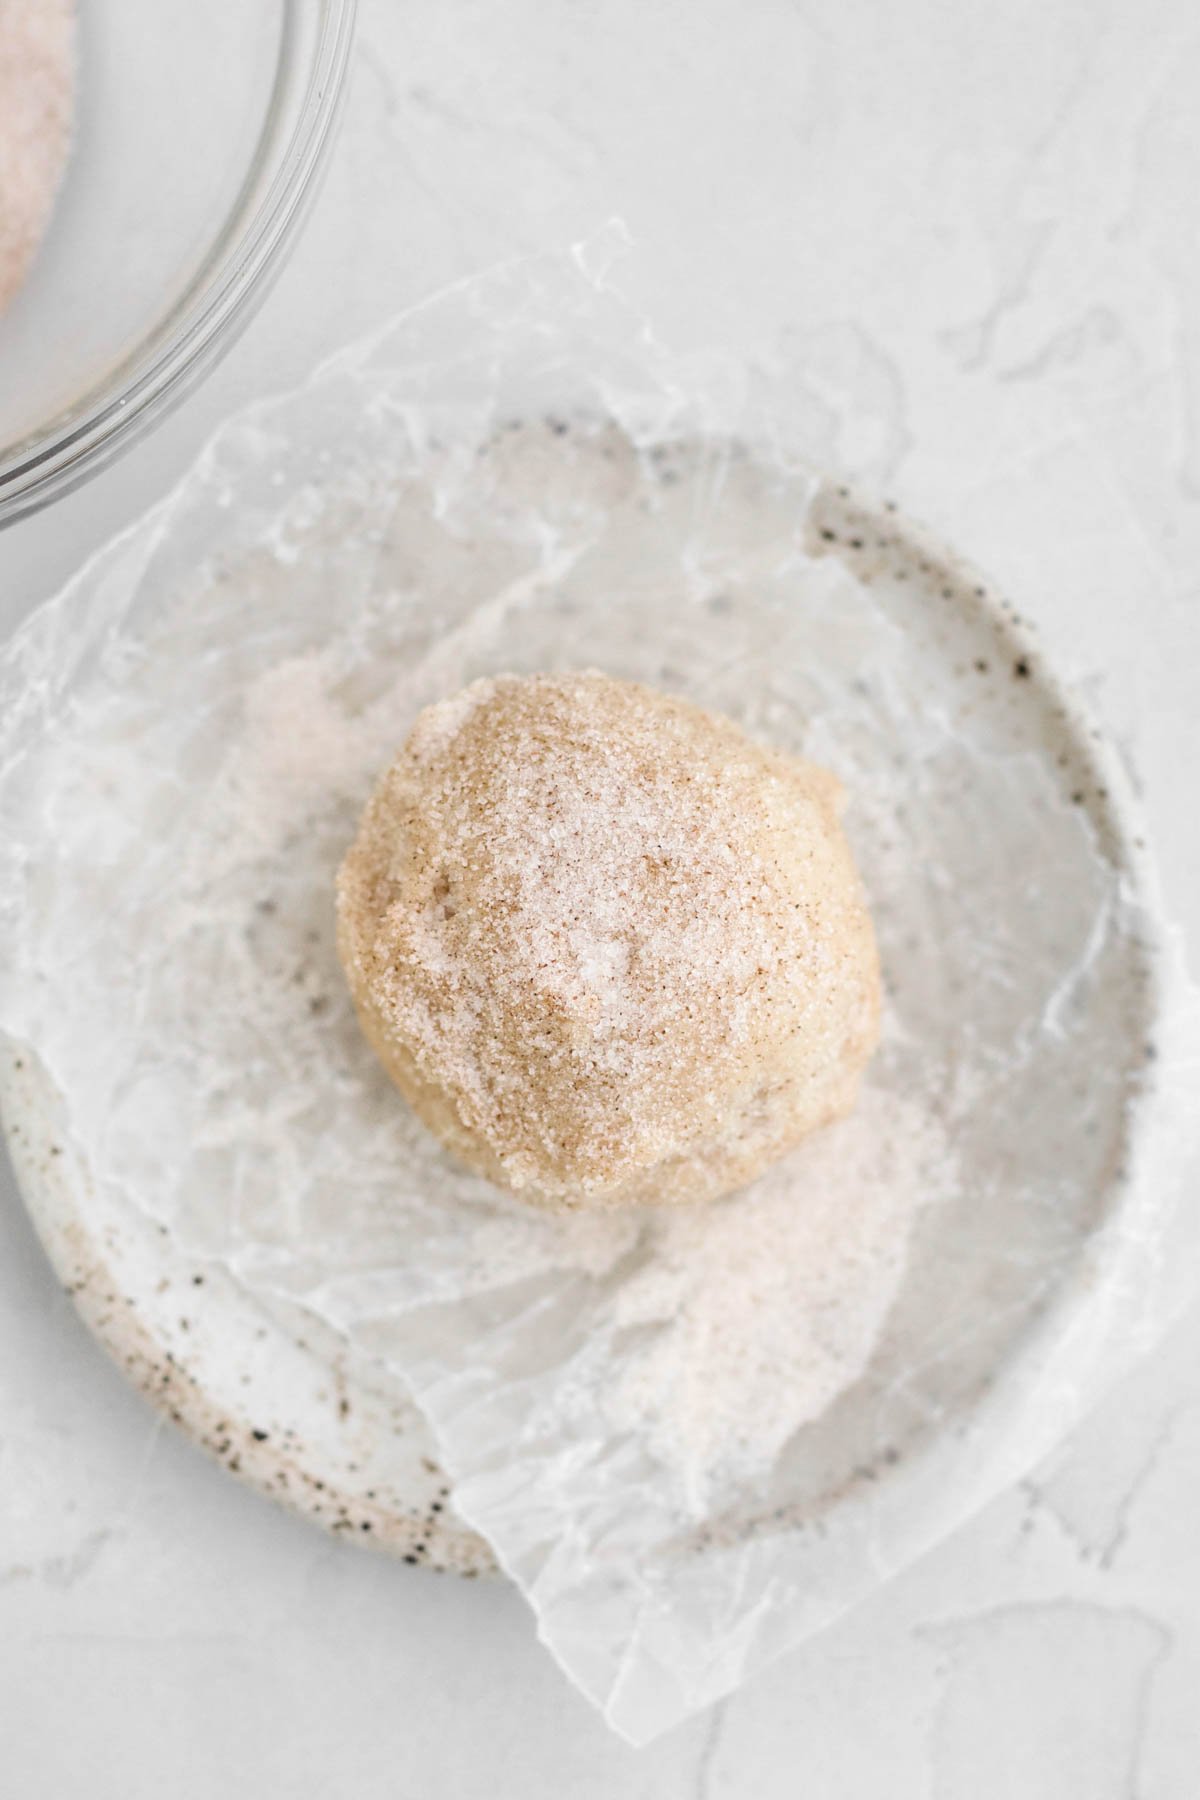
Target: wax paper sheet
[[516, 476]]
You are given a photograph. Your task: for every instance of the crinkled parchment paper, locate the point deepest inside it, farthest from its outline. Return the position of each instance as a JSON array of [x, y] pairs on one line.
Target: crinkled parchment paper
[[516, 477]]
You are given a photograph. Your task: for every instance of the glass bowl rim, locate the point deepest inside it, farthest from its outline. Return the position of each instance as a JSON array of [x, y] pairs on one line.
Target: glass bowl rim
[[220, 296]]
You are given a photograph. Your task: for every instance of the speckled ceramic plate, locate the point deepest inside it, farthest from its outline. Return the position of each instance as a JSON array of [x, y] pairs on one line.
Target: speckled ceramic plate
[[274, 1395], [271, 1392]]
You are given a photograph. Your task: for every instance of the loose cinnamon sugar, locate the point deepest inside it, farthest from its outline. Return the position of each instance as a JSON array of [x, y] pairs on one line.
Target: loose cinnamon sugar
[[37, 43], [769, 1306], [609, 948]]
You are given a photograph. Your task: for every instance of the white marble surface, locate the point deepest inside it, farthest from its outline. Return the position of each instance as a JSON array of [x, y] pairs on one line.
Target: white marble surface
[[974, 231]]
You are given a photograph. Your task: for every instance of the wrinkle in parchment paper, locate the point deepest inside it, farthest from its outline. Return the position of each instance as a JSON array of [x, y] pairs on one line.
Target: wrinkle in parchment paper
[[516, 477]]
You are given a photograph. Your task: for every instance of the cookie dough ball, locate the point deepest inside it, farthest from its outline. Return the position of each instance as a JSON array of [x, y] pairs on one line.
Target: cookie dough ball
[[611, 950]]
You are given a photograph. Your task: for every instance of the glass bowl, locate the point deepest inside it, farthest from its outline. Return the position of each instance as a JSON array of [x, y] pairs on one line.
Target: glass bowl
[[199, 135]]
